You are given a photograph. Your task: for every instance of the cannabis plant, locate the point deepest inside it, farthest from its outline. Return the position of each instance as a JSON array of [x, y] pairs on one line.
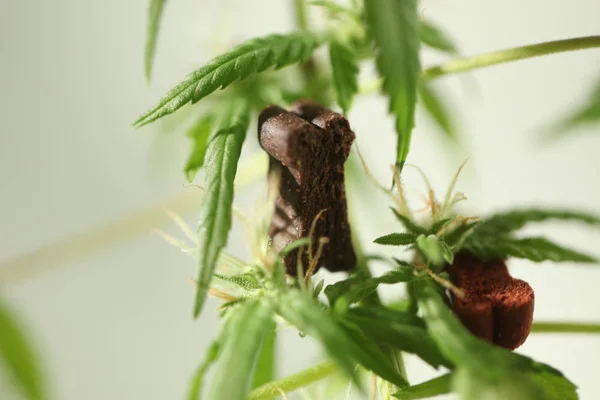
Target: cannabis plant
[[462, 312], [456, 306]]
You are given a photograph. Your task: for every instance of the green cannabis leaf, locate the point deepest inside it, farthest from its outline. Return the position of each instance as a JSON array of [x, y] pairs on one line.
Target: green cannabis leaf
[[397, 239], [17, 357], [586, 114], [493, 238], [246, 282], [359, 286], [198, 133], [394, 28], [212, 355], [435, 251], [438, 110], [409, 224], [436, 38], [510, 221], [267, 358], [434, 387], [310, 317], [244, 334], [535, 249], [222, 154], [253, 56], [154, 13], [406, 335], [345, 73]]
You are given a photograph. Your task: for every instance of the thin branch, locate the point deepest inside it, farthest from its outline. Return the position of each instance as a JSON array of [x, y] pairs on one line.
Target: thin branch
[[565, 327], [508, 55]]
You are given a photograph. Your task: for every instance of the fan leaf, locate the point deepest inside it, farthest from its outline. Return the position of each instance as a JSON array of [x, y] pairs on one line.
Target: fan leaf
[[244, 334], [222, 155], [310, 317], [434, 387], [513, 220], [17, 357], [397, 239], [198, 133], [394, 28], [411, 338], [587, 113], [253, 56], [154, 15], [345, 70], [438, 110], [535, 249], [212, 355], [436, 38], [267, 359]]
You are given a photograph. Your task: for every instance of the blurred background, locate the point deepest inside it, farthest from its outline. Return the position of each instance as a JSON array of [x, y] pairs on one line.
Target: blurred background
[[109, 306]]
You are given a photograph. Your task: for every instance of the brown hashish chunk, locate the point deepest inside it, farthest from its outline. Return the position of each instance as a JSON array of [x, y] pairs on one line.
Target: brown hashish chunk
[[497, 307], [307, 148]]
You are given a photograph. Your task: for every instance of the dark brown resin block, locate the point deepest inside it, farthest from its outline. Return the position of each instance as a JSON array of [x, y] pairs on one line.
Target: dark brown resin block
[[496, 307], [307, 149]]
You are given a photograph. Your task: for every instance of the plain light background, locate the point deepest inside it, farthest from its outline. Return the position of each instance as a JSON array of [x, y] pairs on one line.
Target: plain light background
[[118, 325]]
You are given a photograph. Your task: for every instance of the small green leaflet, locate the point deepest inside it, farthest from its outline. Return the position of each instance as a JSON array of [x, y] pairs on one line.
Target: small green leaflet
[[434, 387], [433, 102], [434, 37], [438, 226], [245, 281], [394, 28], [437, 108], [17, 357], [345, 73], [267, 359], [212, 355], [198, 133], [154, 14], [456, 237], [222, 154], [509, 221], [409, 224], [435, 251], [586, 114], [535, 249], [359, 286], [253, 56], [397, 239], [246, 329], [310, 317]]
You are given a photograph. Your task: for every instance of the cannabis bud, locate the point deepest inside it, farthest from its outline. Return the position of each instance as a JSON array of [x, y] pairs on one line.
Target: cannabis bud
[[307, 149]]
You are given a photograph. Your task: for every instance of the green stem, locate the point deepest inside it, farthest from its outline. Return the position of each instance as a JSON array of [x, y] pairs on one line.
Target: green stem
[[564, 327], [300, 13], [295, 381], [517, 53]]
